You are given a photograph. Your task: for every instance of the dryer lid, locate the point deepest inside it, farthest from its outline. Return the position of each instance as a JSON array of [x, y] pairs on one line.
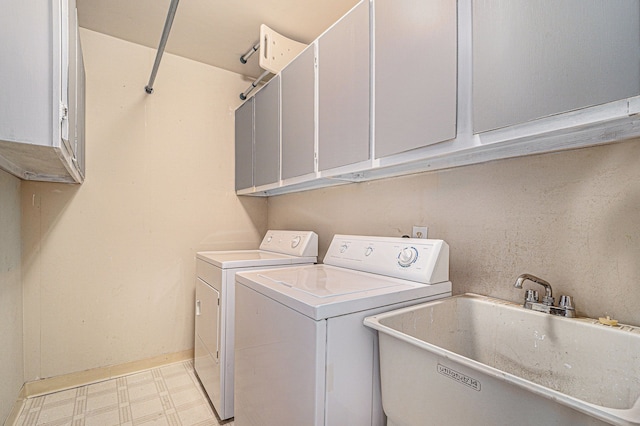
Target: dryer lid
[[251, 259]]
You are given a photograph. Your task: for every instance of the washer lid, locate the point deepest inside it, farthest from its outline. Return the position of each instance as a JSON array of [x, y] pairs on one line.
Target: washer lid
[[323, 282], [325, 291]]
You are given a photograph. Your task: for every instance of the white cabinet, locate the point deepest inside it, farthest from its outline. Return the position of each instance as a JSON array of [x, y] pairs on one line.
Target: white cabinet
[[42, 91], [298, 115], [414, 68], [244, 145], [343, 91], [536, 59]]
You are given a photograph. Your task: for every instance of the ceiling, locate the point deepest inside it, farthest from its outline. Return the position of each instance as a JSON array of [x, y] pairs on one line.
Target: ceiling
[[215, 32]]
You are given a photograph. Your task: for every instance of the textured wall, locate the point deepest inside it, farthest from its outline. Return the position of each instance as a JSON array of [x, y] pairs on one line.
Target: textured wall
[[572, 218], [109, 265], [11, 350]]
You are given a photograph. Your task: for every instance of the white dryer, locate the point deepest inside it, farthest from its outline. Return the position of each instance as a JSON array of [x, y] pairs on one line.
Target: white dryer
[[302, 353], [215, 300]]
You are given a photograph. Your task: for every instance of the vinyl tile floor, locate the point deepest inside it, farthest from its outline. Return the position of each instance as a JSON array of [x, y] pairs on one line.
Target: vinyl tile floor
[[168, 395]]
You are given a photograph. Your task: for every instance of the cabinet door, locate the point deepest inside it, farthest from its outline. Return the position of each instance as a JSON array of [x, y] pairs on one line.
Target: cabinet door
[[72, 126], [343, 90], [29, 54], [415, 74], [267, 133], [80, 109], [535, 59], [298, 115], [244, 145]]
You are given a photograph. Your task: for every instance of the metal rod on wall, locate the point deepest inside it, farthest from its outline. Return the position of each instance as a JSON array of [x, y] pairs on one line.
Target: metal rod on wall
[[244, 94], [163, 41], [244, 58]]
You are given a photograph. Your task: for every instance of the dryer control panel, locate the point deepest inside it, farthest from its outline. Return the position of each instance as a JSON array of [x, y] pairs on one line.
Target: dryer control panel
[[295, 243], [424, 261]]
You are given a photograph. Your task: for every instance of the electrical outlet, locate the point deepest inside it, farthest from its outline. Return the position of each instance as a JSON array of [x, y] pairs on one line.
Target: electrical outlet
[[419, 232]]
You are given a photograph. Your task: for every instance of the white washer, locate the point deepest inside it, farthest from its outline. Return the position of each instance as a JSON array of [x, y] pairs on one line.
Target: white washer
[[302, 354], [214, 330]]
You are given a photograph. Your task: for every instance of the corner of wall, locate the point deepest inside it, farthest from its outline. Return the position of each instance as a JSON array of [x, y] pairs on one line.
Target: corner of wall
[[11, 299]]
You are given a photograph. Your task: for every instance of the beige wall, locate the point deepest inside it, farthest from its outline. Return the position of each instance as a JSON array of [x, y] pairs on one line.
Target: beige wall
[[572, 218], [108, 266], [11, 349]]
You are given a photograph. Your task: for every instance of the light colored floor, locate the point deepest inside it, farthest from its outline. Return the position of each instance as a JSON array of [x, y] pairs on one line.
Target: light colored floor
[[168, 395]]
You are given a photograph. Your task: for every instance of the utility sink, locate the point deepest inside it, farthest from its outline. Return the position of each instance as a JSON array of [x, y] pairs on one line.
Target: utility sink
[[476, 360]]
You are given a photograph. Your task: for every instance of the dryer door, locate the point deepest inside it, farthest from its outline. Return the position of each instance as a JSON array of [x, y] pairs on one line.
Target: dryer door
[[207, 340], [208, 317]]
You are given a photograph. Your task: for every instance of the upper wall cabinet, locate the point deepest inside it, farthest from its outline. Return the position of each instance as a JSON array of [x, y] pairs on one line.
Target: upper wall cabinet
[[405, 86], [343, 91], [536, 59], [41, 91], [244, 145], [415, 44], [298, 115], [267, 134]]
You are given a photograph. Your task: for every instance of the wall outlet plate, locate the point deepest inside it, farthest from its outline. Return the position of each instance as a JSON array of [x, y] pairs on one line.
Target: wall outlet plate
[[419, 232]]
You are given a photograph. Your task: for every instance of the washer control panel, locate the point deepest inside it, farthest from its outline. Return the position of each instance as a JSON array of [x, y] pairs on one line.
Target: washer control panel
[[296, 243], [424, 261]]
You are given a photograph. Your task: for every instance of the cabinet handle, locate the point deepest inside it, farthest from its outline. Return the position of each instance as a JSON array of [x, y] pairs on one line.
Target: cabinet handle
[[197, 308]]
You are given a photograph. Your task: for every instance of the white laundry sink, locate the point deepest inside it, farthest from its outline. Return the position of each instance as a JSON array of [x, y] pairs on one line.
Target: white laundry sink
[[475, 360]]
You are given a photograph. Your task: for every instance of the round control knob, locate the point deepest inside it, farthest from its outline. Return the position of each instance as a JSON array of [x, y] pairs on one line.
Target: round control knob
[[368, 251], [343, 248], [269, 238], [407, 256], [295, 242]]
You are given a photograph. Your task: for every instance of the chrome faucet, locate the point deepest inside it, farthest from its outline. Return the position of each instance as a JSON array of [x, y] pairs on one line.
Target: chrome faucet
[[565, 308], [548, 296]]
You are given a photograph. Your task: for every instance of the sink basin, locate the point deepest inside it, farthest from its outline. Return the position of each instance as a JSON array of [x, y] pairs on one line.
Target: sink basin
[[476, 360]]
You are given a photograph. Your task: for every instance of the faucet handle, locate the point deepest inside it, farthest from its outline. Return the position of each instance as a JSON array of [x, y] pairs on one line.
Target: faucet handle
[[566, 302], [530, 296]]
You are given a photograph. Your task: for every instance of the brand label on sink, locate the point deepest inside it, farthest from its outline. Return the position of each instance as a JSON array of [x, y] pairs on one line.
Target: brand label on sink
[[459, 377]]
